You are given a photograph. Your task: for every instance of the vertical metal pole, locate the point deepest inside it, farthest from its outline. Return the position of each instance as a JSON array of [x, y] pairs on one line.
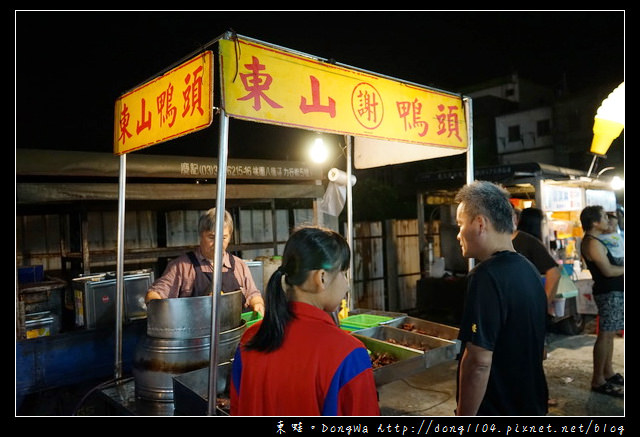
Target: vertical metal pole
[[422, 235], [274, 227], [221, 193], [120, 265], [349, 140], [593, 163], [84, 232], [468, 109]]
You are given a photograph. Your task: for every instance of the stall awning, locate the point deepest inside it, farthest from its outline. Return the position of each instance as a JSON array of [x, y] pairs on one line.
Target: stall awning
[[50, 176], [371, 152], [36, 193]]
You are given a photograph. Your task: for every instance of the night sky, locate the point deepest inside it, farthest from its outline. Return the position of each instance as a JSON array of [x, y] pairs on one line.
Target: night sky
[[72, 66]]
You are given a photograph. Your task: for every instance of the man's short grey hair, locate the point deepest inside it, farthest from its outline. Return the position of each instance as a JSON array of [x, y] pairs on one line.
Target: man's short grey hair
[[207, 222], [490, 200]]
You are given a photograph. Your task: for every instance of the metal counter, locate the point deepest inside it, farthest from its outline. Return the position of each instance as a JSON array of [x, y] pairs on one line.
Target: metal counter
[[191, 398]]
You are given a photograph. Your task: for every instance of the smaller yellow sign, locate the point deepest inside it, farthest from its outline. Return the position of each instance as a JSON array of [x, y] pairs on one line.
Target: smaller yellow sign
[[174, 104]]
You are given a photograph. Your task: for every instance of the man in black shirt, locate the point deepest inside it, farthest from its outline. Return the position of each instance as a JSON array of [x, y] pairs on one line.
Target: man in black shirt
[[503, 326], [537, 253]]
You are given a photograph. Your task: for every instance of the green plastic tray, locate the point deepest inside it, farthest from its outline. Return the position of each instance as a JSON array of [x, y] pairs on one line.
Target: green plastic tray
[[362, 321], [251, 317]]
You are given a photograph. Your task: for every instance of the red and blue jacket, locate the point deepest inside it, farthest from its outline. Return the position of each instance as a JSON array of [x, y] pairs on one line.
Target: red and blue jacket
[[319, 370]]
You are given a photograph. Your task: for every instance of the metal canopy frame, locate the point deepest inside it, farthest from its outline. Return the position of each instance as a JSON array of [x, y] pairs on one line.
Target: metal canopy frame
[[220, 207]]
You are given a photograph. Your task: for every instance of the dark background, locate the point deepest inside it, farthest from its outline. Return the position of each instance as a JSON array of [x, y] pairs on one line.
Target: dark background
[[71, 66]]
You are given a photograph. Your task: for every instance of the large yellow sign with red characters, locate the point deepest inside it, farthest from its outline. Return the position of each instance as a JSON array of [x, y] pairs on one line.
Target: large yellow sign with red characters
[[265, 84], [167, 107]]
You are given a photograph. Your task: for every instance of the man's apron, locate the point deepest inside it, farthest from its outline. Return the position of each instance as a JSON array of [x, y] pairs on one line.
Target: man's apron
[[229, 280]]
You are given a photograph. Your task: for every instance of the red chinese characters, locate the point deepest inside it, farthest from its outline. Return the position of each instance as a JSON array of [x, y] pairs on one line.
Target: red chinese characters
[[448, 122], [257, 83], [315, 106], [366, 104], [266, 84], [192, 93], [165, 112], [410, 112], [145, 119], [164, 105]]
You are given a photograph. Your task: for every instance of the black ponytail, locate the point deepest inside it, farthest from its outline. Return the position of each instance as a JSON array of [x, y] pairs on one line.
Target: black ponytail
[[307, 249], [276, 316]]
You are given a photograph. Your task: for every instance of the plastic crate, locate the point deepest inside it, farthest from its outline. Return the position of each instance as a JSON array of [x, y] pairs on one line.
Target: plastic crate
[[362, 321], [29, 274], [251, 317]]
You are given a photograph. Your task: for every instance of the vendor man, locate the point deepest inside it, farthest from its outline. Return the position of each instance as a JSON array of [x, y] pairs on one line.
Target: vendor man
[[191, 274]]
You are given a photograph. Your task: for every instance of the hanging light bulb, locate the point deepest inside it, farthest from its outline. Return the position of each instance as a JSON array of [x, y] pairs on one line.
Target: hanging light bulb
[[319, 151], [617, 183], [609, 121]]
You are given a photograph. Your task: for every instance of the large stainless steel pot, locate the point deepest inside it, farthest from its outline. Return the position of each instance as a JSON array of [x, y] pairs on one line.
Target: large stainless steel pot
[[157, 360], [190, 317], [178, 340]]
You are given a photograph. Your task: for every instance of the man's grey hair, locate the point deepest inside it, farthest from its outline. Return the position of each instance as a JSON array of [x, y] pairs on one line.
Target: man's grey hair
[[490, 200], [207, 221]]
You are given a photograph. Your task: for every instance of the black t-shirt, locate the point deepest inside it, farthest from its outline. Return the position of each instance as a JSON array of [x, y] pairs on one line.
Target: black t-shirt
[[604, 284], [505, 312], [534, 251]]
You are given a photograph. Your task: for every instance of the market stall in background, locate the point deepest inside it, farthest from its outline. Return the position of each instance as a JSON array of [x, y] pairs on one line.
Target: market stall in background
[[262, 83], [66, 238], [561, 193]]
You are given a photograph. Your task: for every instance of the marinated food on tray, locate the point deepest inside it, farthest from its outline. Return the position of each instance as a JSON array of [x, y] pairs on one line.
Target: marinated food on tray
[[379, 359], [412, 328], [418, 346], [224, 404]]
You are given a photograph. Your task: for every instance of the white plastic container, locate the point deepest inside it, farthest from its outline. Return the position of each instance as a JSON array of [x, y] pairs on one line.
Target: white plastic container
[[558, 306]]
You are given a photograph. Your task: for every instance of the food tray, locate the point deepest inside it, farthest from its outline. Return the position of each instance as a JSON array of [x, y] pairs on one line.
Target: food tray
[[362, 321], [415, 352], [376, 312], [426, 327], [251, 317], [410, 361]]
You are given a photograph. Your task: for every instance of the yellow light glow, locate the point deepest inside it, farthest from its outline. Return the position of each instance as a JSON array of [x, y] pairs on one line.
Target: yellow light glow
[[319, 151], [617, 183]]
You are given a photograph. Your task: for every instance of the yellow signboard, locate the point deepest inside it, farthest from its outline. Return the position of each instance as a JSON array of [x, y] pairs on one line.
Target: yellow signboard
[[269, 85], [174, 104]]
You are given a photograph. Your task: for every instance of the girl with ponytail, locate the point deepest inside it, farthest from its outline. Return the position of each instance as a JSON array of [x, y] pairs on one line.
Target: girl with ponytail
[[296, 361]]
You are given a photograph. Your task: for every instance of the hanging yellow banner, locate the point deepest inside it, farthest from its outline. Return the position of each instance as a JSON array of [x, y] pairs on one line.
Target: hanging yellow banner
[[174, 104], [269, 85]]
